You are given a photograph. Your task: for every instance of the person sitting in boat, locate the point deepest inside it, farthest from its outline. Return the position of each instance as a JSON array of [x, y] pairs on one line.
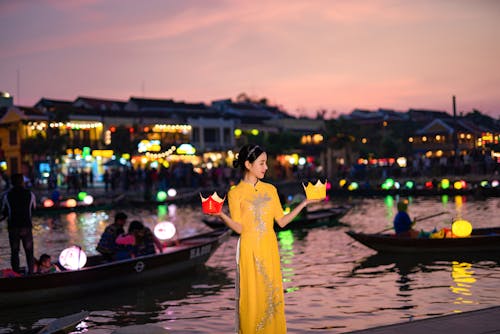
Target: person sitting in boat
[[403, 225], [138, 241], [44, 265], [107, 244]]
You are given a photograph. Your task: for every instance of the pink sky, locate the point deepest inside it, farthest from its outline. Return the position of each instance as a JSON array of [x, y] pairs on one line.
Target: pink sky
[[303, 55]]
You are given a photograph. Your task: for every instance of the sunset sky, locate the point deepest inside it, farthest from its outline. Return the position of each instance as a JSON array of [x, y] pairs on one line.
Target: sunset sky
[[302, 55]]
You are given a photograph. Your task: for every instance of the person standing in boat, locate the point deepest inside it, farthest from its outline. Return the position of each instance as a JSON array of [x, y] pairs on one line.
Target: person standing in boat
[[17, 205], [107, 244], [254, 205], [403, 225]]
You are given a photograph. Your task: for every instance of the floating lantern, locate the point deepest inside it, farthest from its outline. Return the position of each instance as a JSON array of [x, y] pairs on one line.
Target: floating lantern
[[388, 184], [212, 204], [409, 184], [81, 195], [172, 192], [48, 203], [461, 184], [164, 230], [484, 184], [73, 258], [428, 185], [445, 184], [88, 200], [161, 196], [286, 210], [495, 183], [461, 228], [342, 183], [353, 186], [71, 203]]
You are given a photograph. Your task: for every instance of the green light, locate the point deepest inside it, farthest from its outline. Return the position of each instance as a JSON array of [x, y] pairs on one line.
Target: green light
[[161, 196], [388, 184], [409, 184], [86, 151], [484, 183], [81, 195], [445, 183]]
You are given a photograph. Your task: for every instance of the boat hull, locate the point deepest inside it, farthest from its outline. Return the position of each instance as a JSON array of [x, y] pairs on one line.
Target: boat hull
[[190, 254], [481, 240]]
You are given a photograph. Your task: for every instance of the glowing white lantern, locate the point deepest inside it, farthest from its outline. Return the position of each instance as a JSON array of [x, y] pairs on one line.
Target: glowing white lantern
[[164, 230], [73, 258], [172, 192], [88, 199]]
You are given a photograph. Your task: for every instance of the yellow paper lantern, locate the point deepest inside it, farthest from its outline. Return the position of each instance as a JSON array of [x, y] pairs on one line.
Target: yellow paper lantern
[[461, 228]]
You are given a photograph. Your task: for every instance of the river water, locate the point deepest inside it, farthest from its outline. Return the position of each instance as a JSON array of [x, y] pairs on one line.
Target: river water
[[332, 283]]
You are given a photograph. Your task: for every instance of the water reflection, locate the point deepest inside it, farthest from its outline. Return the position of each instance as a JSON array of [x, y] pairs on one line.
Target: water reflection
[[286, 241], [463, 279], [126, 306], [334, 284]]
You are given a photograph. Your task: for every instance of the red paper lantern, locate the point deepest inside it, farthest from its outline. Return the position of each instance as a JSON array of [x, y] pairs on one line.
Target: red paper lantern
[[212, 204]]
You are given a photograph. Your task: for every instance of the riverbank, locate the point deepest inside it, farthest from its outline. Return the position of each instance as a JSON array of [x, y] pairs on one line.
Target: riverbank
[[472, 322]]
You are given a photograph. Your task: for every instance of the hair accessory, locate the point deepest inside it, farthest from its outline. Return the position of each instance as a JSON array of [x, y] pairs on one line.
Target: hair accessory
[[252, 150]]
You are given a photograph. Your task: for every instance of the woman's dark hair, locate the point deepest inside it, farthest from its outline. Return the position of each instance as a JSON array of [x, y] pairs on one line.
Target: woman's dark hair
[[248, 153], [135, 225]]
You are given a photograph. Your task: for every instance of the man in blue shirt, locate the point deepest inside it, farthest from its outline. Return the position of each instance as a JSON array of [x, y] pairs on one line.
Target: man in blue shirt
[[403, 225]]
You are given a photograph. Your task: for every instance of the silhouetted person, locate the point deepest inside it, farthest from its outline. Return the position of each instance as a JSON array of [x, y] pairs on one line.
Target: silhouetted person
[[17, 205]]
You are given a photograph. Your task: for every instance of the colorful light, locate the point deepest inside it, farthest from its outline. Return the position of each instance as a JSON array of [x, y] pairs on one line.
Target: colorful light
[[445, 184], [172, 192], [161, 196], [48, 203], [164, 230], [353, 186], [388, 184], [88, 199], [81, 195], [73, 258], [409, 184], [71, 203], [461, 228]]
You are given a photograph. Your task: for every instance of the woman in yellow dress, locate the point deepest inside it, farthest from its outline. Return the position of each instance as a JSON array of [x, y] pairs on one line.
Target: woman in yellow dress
[[254, 206]]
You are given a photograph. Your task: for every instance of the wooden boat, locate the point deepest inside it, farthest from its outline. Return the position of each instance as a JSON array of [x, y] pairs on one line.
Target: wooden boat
[[316, 218], [98, 275], [480, 240]]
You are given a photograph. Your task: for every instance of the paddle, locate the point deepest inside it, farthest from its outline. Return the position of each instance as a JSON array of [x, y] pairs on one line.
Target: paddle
[[416, 219]]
